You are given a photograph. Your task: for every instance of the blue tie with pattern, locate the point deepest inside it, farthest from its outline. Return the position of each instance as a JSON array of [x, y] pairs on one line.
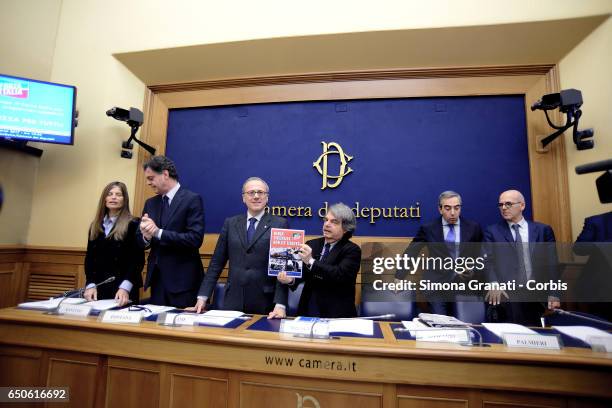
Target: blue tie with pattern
[[251, 229]]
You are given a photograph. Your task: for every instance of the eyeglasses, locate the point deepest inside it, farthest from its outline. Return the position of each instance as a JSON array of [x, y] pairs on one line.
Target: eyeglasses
[[507, 205], [252, 193], [138, 308]]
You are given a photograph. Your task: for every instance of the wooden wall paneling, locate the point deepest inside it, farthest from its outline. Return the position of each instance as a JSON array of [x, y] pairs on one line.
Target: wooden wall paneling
[[78, 371], [184, 387], [153, 133], [548, 170], [267, 391], [520, 400], [133, 383], [20, 367]]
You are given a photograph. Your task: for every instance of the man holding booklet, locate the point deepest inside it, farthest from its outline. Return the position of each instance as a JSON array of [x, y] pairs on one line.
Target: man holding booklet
[[330, 271]]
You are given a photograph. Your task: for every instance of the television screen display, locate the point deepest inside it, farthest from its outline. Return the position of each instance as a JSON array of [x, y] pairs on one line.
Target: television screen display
[[36, 111]]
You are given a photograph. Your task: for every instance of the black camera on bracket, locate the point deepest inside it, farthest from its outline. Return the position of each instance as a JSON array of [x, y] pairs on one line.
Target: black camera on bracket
[[569, 102], [134, 118]]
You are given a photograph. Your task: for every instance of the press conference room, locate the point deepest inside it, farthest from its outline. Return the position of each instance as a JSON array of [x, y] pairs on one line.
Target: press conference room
[[323, 204]]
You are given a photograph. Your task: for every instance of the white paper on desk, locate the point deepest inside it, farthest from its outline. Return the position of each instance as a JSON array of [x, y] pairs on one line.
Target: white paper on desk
[[223, 313], [103, 304], [582, 332], [358, 326], [154, 309], [499, 329], [214, 320], [50, 304], [416, 325]]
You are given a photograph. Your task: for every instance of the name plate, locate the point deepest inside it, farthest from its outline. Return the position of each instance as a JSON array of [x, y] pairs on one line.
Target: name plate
[[443, 336], [305, 328], [532, 341], [119, 316], [600, 343], [178, 319], [74, 310]]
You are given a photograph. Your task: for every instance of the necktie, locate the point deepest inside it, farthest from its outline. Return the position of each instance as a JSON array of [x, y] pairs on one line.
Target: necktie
[[165, 212], [325, 252], [520, 252], [251, 229], [450, 240]]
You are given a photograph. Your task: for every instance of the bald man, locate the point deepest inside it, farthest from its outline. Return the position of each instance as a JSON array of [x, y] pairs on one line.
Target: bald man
[[520, 251]]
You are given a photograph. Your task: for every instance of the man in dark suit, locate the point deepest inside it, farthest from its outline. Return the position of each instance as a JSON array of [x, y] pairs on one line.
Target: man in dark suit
[[520, 251], [330, 270], [244, 241], [172, 225], [447, 236], [594, 287]]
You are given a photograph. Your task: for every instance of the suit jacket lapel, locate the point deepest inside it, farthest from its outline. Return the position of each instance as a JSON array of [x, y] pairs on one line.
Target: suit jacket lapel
[[331, 257], [533, 236], [506, 231], [241, 228], [438, 231]]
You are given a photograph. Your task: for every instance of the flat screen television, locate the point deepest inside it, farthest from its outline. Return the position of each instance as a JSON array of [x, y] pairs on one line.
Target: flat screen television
[[36, 111]]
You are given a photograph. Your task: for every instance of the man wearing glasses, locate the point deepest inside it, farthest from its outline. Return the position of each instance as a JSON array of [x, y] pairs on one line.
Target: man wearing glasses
[[447, 236], [244, 241], [520, 251]]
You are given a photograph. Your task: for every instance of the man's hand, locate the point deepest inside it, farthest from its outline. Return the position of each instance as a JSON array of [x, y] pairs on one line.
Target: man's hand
[[148, 227], [122, 296], [283, 278], [91, 294], [494, 297], [199, 307], [305, 253], [553, 302], [277, 313]]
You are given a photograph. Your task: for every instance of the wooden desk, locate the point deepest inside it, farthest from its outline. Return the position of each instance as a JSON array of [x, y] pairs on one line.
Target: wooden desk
[[150, 366]]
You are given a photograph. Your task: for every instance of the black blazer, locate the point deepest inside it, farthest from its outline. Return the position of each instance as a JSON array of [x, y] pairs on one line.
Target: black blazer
[[176, 257], [108, 257], [431, 236], [331, 280], [502, 261], [248, 288]]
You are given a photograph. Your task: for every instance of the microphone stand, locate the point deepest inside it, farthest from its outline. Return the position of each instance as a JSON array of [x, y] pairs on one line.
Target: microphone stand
[[580, 317], [71, 294]]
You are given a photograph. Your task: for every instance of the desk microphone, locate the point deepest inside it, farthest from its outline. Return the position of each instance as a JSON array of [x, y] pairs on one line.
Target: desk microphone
[[581, 317], [73, 293]]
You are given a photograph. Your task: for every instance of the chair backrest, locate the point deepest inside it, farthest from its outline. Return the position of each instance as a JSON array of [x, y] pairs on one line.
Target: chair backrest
[[402, 305], [294, 300], [218, 296], [470, 309]]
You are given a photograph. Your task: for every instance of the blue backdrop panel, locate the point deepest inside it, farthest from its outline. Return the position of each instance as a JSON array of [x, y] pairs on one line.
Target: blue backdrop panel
[[406, 151]]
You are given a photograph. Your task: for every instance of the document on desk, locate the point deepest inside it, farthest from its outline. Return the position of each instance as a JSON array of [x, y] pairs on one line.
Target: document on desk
[[584, 333], [358, 326], [499, 329], [150, 310], [50, 304], [224, 313], [103, 304], [415, 325]]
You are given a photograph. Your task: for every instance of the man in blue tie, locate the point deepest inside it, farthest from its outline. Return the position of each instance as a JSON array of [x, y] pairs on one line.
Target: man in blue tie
[[244, 241], [172, 226], [520, 251], [447, 236]]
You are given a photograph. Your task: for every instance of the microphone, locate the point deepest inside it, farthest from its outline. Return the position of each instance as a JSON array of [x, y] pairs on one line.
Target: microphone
[[72, 293], [581, 317]]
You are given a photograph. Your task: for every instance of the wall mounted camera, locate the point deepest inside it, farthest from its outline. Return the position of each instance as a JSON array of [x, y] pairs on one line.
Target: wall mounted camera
[[569, 102], [134, 118]]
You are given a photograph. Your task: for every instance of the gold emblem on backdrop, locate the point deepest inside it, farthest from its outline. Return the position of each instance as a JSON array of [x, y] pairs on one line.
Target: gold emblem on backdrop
[[321, 165]]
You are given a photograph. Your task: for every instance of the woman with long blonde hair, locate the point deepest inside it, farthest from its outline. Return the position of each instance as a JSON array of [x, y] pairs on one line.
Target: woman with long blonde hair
[[112, 249]]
